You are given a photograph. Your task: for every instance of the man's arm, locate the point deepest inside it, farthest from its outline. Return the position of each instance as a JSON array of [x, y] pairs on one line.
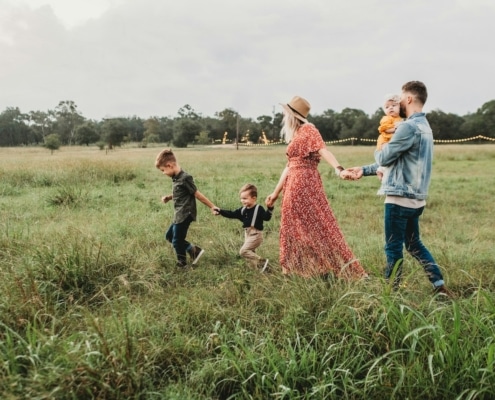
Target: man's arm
[[358, 172], [402, 140]]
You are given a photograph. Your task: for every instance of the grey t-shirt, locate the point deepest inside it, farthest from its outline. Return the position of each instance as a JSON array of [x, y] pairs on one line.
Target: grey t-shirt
[[183, 189]]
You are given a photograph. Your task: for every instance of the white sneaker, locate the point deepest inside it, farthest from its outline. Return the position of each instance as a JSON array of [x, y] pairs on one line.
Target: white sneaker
[[196, 254]]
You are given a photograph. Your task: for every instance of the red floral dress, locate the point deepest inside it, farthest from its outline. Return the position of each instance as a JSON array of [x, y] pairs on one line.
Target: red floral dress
[[311, 242]]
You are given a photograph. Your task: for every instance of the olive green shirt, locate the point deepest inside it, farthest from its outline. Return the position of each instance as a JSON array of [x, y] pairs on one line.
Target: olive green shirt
[[183, 190]]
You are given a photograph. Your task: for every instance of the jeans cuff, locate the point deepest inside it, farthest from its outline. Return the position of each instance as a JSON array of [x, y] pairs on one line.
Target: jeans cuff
[[438, 283]]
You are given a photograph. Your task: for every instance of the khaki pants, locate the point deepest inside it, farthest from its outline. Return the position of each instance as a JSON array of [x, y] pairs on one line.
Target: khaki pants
[[252, 240]]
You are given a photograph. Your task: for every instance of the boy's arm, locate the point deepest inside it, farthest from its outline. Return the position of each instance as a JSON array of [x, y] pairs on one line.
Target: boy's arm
[[236, 214], [267, 215], [167, 198], [203, 199]]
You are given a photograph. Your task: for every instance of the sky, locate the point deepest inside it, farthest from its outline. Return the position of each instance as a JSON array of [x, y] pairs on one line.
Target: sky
[[145, 58]]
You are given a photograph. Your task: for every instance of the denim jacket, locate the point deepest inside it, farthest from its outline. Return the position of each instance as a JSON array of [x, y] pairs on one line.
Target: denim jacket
[[408, 157]]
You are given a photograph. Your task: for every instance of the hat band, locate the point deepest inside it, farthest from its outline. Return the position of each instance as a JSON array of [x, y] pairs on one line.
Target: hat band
[[297, 112]]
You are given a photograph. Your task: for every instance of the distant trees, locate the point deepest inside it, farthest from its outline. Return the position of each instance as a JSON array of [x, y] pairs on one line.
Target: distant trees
[[189, 126], [68, 119], [14, 131]]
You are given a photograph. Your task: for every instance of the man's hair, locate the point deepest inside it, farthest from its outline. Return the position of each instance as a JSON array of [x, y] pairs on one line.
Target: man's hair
[[249, 187], [166, 156], [418, 89]]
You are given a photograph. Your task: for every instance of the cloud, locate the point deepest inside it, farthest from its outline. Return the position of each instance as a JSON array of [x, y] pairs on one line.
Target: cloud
[[152, 57]]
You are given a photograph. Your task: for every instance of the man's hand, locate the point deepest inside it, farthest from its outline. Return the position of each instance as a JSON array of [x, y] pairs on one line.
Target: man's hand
[[353, 173]]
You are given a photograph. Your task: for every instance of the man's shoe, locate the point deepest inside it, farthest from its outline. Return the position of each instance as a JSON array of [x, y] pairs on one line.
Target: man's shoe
[[442, 290], [181, 264], [196, 253]]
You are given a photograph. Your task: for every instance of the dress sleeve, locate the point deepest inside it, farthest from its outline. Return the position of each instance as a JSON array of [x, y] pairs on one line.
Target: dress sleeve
[[312, 139]]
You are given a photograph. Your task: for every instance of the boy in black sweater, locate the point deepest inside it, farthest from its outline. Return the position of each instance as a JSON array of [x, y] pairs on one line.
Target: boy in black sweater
[[252, 216]]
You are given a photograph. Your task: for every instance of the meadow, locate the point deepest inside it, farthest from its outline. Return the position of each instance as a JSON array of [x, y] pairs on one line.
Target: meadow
[[93, 307]]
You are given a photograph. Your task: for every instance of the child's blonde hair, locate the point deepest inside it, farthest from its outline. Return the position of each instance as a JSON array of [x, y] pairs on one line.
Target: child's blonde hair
[[395, 98], [249, 187], [164, 157]]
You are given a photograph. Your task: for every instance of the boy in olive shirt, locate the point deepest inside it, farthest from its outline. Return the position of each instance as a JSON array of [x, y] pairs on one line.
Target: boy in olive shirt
[[184, 195]]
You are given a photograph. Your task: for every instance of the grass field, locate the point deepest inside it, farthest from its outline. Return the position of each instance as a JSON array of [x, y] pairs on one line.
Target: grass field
[[92, 305]]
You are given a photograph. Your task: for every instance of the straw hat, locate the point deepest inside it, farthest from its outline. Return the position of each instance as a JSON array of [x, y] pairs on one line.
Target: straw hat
[[298, 107]]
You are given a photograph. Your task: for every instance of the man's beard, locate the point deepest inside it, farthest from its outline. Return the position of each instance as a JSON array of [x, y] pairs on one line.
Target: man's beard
[[402, 112]]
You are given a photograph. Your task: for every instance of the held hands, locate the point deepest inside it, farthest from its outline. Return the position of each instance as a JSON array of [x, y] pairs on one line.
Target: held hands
[[215, 210], [270, 200], [351, 174]]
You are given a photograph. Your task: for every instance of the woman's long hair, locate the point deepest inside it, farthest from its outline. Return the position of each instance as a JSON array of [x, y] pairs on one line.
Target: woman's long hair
[[290, 125]]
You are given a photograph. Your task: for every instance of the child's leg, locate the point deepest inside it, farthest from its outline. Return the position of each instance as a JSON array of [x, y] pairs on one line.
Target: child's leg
[[169, 235], [178, 239], [252, 240]]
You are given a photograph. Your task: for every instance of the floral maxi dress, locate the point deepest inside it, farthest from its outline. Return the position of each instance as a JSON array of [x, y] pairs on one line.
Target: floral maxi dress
[[311, 242]]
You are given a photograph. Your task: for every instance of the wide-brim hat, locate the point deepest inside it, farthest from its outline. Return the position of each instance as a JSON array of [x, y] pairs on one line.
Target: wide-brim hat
[[298, 107]]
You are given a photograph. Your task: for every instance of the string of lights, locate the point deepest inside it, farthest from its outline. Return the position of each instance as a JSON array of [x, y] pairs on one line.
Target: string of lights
[[356, 140]]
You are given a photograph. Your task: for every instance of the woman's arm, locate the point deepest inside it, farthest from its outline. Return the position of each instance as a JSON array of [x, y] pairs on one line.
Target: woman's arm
[[270, 200], [330, 159]]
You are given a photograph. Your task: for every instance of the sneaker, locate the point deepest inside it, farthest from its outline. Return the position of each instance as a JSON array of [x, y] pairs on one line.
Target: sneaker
[[195, 253], [264, 265], [181, 264], [443, 291]]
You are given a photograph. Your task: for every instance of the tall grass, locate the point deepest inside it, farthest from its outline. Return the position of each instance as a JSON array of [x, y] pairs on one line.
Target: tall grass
[[92, 306]]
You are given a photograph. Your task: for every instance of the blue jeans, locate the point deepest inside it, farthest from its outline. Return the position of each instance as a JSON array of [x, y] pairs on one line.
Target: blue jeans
[[176, 234], [402, 228]]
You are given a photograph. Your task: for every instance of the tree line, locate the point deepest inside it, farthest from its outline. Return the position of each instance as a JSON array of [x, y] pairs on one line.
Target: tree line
[[65, 125]]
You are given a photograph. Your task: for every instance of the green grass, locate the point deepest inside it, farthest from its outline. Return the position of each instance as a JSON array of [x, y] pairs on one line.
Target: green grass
[[92, 306]]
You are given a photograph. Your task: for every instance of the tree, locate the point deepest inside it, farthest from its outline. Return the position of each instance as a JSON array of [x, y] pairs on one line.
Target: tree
[[135, 128], [41, 124], [202, 138], [68, 119], [152, 132], [166, 130], [14, 130], [188, 112], [328, 125], [445, 126], [487, 113], [52, 142], [213, 127], [185, 131], [228, 122], [87, 133], [351, 122], [113, 132]]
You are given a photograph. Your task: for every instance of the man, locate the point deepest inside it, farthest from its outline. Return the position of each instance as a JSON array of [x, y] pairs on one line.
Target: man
[[408, 157]]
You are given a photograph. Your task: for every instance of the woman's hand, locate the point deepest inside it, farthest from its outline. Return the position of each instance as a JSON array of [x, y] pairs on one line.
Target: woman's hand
[[270, 200]]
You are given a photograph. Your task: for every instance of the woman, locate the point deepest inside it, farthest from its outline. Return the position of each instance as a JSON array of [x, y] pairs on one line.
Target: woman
[[311, 242]]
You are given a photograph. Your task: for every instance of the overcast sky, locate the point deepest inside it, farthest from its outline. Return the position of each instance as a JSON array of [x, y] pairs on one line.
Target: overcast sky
[[151, 57]]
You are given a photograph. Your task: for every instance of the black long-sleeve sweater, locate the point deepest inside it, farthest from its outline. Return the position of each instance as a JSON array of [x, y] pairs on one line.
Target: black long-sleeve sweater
[[246, 215]]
